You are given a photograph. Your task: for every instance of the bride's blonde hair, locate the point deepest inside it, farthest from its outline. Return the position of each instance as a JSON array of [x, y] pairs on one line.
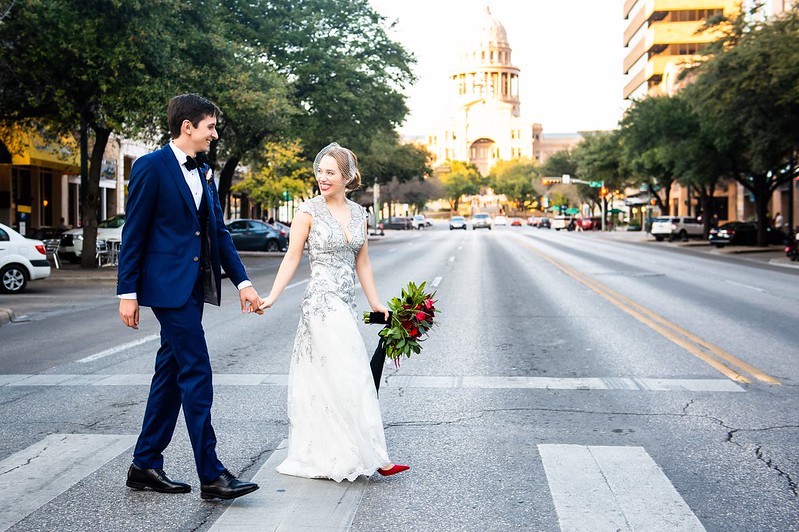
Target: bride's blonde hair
[[347, 164]]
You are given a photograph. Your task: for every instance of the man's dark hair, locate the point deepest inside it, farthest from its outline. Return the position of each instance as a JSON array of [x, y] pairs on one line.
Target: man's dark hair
[[191, 107]]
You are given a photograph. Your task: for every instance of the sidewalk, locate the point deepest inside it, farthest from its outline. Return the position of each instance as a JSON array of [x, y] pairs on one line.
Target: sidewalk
[[702, 245]]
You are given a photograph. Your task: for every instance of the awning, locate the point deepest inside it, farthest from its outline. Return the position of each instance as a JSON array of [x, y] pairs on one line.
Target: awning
[[38, 148]]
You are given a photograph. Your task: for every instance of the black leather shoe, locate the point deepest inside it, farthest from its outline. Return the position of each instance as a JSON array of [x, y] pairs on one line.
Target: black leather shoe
[[155, 479], [226, 487]]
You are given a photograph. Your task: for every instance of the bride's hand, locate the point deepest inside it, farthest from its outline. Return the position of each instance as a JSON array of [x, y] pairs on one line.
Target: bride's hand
[[381, 309], [266, 302]]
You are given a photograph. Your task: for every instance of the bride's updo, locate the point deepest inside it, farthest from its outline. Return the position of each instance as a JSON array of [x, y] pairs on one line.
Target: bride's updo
[[347, 164]]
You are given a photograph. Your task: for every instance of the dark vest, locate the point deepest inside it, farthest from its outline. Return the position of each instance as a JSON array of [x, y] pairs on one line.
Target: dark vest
[[210, 294]]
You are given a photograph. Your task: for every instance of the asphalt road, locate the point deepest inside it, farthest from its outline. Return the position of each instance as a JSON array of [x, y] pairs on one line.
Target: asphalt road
[[576, 381]]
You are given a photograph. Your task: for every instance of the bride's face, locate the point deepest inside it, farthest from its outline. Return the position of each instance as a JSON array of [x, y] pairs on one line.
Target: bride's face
[[329, 177]]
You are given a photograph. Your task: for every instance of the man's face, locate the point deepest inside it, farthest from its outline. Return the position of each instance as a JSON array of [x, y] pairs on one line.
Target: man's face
[[200, 137]]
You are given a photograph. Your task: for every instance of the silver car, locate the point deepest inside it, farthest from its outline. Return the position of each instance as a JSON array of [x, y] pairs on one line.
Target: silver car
[[481, 220], [457, 222]]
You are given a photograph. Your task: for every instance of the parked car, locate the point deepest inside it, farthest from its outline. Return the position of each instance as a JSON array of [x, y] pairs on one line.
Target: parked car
[[742, 234], [21, 260], [420, 222], [500, 220], [563, 222], [481, 220], [457, 222], [397, 222], [71, 246], [282, 228], [255, 235], [593, 223], [672, 227]]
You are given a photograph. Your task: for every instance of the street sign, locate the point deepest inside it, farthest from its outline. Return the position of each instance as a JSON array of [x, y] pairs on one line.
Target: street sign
[[566, 179], [595, 184]]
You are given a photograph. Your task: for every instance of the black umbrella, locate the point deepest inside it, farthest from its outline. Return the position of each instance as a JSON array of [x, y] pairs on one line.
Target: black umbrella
[[379, 357]]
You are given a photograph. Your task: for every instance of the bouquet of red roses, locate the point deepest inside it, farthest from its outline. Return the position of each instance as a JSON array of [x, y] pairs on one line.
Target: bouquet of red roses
[[411, 318]]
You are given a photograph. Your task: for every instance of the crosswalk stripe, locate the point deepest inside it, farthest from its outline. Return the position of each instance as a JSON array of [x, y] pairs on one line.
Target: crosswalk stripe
[[405, 381], [285, 503], [41, 472], [613, 489]]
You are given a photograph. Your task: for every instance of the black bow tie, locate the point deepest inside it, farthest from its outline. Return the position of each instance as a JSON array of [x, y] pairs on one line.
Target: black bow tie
[[192, 163]]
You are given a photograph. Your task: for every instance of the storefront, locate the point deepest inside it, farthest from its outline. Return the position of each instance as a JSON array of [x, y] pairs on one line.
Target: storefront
[[34, 172]]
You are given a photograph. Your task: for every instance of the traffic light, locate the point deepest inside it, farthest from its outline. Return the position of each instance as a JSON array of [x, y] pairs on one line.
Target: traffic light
[[550, 180], [603, 192]]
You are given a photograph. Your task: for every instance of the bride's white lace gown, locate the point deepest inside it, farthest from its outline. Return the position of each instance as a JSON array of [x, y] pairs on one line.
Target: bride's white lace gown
[[335, 426]]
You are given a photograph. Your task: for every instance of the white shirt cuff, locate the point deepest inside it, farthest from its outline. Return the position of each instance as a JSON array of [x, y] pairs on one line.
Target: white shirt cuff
[[244, 284], [131, 295]]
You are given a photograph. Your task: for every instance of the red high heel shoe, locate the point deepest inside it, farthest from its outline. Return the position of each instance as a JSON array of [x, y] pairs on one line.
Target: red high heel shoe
[[393, 470]]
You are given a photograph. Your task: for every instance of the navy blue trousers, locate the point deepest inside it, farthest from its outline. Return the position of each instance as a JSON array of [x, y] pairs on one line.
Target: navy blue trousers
[[182, 378]]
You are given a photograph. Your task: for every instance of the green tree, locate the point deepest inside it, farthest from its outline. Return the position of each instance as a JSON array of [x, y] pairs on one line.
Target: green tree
[[282, 172], [514, 179], [747, 99], [108, 66], [599, 158], [346, 73], [650, 129], [461, 178]]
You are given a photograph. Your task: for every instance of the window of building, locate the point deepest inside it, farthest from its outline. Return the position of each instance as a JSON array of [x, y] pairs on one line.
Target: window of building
[[692, 15]]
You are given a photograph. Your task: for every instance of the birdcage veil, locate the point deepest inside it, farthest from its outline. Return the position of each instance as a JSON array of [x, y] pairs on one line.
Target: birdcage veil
[[351, 166]]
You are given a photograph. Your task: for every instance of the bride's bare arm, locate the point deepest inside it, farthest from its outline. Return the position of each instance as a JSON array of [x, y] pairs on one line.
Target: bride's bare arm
[[300, 227], [363, 267]]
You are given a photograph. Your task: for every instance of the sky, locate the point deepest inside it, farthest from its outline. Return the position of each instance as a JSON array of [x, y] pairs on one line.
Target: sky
[[569, 52]]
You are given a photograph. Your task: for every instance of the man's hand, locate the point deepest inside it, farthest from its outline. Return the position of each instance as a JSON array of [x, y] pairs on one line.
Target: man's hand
[[250, 300], [129, 312]]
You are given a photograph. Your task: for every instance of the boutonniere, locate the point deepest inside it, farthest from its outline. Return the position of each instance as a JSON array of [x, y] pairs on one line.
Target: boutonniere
[[209, 175]]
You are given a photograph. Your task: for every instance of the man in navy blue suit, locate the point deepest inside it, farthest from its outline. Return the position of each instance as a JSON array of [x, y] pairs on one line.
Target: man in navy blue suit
[[174, 241]]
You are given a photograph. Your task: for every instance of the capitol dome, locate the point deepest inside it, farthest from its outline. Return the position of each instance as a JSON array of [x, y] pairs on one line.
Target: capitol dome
[[490, 31]]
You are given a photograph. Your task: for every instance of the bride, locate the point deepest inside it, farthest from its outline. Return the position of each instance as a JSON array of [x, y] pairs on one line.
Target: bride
[[335, 426]]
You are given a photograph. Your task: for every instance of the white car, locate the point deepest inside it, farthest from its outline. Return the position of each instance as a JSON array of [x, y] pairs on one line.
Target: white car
[[420, 222], [500, 220], [71, 246], [21, 260], [673, 227]]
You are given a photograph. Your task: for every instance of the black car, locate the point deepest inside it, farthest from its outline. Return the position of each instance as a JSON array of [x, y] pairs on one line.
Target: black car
[[397, 222], [255, 235], [742, 234]]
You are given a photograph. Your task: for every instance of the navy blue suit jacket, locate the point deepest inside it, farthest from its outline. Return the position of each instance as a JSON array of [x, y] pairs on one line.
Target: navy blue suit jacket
[[161, 240]]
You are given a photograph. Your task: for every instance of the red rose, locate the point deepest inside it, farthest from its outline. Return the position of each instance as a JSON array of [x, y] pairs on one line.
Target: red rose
[[428, 304], [421, 316], [414, 333]]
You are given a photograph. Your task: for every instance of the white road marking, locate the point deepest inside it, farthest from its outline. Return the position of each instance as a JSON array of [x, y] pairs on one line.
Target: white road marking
[[38, 474], [298, 283], [613, 488], [285, 503], [117, 349], [742, 285], [436, 282], [404, 381], [123, 347], [451, 260]]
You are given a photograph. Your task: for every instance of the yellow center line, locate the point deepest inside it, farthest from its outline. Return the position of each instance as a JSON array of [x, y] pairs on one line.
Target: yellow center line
[[668, 329]]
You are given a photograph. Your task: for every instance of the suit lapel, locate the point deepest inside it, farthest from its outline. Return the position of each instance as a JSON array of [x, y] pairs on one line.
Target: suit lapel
[[174, 171]]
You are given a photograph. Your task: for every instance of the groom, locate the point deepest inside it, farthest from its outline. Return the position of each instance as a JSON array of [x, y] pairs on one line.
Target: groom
[[174, 242]]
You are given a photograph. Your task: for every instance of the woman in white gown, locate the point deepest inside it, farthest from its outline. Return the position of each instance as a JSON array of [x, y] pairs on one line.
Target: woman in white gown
[[335, 426]]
